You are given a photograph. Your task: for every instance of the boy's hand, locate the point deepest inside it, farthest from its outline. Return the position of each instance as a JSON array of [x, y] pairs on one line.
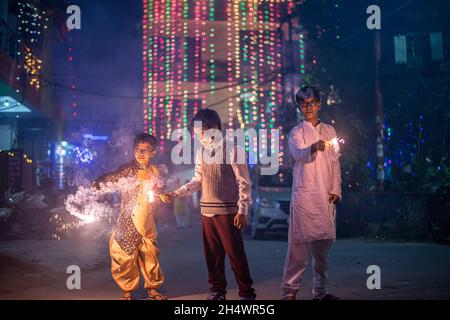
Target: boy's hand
[[168, 197], [240, 221], [334, 198], [319, 146]]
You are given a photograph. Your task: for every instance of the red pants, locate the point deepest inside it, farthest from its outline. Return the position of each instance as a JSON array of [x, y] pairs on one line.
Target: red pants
[[221, 237]]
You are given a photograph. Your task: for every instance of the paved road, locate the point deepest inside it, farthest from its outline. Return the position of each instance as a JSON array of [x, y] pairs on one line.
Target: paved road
[[35, 269]]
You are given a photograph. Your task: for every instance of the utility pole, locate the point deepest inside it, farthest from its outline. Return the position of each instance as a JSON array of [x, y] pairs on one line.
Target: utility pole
[[380, 114]]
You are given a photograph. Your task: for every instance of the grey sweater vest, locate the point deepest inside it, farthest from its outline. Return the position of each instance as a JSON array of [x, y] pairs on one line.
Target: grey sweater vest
[[220, 192]]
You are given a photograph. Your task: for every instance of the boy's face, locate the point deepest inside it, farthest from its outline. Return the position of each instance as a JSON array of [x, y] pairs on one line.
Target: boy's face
[[310, 109], [143, 152], [205, 139]]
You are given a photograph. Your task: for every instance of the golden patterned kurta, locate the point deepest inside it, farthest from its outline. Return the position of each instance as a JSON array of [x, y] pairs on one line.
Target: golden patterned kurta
[[133, 241]]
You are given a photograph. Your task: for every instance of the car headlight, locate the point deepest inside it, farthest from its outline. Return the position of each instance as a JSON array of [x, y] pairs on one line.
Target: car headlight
[[266, 203]]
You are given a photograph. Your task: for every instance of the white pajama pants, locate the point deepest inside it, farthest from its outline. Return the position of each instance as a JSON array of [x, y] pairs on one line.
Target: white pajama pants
[[297, 258]]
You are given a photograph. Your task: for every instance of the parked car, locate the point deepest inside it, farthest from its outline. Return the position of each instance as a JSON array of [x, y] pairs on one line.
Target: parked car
[[438, 215], [271, 203]]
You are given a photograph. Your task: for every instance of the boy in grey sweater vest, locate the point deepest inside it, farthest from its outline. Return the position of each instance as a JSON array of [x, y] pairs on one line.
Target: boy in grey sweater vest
[[225, 200]]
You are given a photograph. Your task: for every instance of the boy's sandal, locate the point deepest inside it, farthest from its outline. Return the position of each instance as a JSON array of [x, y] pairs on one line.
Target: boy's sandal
[[126, 296], [156, 296]]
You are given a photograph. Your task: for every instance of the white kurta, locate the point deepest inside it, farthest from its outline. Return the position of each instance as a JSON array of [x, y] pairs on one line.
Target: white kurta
[[315, 176]]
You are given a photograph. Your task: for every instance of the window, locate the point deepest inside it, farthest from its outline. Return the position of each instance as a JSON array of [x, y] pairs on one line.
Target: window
[[437, 52], [400, 48]]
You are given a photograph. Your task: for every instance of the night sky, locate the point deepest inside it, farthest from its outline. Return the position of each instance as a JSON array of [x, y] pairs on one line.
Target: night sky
[[107, 61]]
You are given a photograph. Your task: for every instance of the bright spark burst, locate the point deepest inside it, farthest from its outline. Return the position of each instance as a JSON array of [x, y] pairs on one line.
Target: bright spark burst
[[151, 196], [335, 143], [88, 207]]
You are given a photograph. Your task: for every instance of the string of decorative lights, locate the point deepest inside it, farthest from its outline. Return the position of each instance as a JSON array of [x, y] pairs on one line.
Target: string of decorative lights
[[146, 57], [168, 68], [229, 8], [180, 103], [162, 57], [212, 66], [73, 86], [238, 22], [197, 61], [259, 90], [279, 93], [185, 62], [251, 104], [32, 68], [180, 54], [205, 40], [32, 21]]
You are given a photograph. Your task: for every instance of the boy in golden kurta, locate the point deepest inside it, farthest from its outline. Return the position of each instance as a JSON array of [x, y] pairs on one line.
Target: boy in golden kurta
[[133, 242]]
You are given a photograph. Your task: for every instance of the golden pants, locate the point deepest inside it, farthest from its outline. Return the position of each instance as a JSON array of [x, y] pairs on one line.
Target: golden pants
[[125, 268]]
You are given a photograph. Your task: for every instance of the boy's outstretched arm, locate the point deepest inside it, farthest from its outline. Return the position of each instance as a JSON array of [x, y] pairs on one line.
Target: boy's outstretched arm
[[192, 186], [300, 151], [113, 176]]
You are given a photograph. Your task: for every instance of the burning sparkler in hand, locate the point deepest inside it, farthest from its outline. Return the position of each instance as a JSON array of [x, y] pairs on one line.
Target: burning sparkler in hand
[[150, 186], [151, 196], [89, 207], [335, 143]]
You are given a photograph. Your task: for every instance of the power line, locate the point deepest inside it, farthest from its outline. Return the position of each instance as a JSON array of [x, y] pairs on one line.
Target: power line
[[85, 91], [90, 92], [237, 95]]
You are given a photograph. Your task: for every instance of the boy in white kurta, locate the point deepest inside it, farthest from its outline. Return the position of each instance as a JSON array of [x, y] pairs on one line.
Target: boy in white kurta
[[315, 191]]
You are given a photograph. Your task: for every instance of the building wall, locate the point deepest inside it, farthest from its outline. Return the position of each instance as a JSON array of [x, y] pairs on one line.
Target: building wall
[[32, 132]]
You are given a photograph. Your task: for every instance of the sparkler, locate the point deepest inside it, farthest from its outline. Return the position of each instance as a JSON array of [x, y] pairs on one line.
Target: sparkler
[[89, 207], [150, 186], [151, 196], [335, 143], [85, 218]]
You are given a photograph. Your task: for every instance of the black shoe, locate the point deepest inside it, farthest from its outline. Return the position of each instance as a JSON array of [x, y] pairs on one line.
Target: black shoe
[[250, 297], [328, 297], [216, 296]]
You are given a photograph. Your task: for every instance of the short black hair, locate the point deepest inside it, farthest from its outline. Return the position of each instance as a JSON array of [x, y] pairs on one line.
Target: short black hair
[[209, 119], [145, 138], [306, 92]]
